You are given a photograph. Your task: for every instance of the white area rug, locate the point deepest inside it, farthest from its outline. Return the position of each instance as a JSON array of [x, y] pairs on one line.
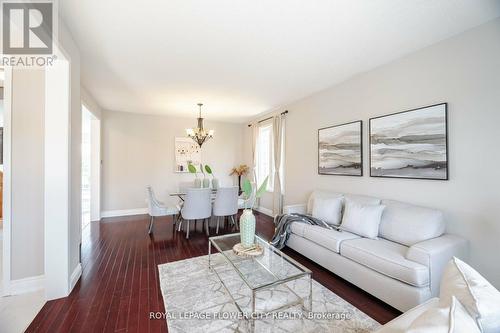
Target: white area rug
[[196, 301]]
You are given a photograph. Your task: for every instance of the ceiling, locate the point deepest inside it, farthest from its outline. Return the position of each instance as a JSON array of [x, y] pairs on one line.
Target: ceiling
[[242, 58]]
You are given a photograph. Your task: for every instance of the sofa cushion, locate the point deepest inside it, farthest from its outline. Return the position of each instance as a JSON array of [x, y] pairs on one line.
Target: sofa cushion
[[322, 194], [401, 323], [363, 220], [409, 224], [330, 239], [387, 258], [454, 319], [481, 299], [363, 199], [328, 209]]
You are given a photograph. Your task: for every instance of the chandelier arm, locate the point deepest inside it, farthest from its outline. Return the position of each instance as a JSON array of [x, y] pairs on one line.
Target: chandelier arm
[[198, 134]]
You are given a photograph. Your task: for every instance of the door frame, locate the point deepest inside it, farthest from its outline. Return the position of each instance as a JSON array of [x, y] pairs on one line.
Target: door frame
[[95, 167], [95, 161], [7, 173]]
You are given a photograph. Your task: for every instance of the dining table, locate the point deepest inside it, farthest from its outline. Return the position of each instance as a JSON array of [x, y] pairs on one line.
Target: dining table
[[182, 194]]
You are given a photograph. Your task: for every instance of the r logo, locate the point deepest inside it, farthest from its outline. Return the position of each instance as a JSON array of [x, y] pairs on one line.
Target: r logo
[[27, 27]]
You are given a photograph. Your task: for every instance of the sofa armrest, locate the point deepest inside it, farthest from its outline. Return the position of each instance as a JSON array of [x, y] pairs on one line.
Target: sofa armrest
[[295, 209], [435, 253]]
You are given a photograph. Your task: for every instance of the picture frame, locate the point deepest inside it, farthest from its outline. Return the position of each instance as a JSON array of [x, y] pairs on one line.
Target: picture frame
[[186, 152], [340, 149], [411, 144]]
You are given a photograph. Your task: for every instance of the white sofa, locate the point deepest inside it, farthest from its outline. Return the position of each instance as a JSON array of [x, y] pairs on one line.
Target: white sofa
[[403, 267], [467, 303]]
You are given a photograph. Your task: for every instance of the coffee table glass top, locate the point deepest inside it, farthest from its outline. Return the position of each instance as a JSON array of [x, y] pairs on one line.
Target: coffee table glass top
[[271, 268]]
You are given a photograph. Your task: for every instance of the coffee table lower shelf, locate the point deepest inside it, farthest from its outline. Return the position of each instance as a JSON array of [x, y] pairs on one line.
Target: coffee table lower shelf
[[304, 302]]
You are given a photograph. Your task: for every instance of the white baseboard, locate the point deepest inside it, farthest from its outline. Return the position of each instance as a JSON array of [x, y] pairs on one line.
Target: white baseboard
[[124, 212], [27, 285], [75, 276], [265, 211], [140, 211]]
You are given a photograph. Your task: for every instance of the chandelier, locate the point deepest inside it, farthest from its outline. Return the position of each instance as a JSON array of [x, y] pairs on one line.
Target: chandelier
[[199, 134]]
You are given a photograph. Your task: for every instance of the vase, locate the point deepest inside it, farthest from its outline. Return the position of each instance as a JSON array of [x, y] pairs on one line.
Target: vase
[[247, 228], [206, 183], [215, 183], [197, 183]]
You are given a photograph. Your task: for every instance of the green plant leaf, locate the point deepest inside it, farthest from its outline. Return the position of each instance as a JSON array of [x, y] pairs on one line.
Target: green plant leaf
[[191, 168], [262, 188], [247, 188], [208, 169]]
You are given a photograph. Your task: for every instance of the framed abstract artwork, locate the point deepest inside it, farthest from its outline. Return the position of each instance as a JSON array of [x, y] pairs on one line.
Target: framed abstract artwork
[[410, 144], [186, 152], [340, 149]]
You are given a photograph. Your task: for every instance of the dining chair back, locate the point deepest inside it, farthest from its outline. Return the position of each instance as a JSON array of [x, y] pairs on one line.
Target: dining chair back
[[183, 186], [226, 204], [154, 206], [226, 201], [157, 208], [197, 206]]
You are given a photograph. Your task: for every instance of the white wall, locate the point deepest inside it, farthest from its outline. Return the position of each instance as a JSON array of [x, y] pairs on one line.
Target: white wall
[[90, 103], [27, 165], [28, 101], [463, 71], [138, 150]]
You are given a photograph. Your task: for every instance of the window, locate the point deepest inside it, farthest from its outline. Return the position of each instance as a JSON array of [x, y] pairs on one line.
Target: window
[[264, 149]]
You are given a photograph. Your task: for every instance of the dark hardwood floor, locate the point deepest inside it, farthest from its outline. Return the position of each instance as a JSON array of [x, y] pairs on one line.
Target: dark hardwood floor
[[119, 285]]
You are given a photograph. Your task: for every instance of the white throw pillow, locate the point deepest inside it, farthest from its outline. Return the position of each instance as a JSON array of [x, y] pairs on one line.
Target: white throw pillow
[[452, 319], [362, 220], [328, 209], [478, 296]]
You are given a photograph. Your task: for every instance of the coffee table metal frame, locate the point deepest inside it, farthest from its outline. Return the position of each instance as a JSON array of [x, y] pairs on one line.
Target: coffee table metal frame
[[212, 241]]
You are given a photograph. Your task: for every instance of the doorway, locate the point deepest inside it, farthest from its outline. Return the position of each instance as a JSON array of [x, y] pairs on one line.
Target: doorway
[[91, 165]]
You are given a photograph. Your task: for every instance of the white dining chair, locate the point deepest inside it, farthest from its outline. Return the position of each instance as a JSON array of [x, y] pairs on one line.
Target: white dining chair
[[197, 206], [157, 208], [183, 186], [226, 205]]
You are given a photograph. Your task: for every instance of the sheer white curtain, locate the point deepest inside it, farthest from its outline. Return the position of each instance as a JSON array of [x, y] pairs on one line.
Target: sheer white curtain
[[278, 156], [255, 134]]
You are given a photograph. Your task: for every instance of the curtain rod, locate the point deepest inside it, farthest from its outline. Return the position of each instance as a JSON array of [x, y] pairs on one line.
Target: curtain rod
[[263, 120]]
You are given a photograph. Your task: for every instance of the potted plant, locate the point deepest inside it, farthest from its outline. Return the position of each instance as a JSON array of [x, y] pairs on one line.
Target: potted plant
[[240, 170], [206, 181], [192, 169], [247, 219], [215, 181]]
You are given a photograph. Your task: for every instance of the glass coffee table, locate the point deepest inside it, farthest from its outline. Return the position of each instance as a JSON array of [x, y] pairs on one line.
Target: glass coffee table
[[273, 273]]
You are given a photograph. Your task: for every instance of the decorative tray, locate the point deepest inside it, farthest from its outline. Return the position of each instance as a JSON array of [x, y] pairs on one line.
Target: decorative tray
[[253, 251]]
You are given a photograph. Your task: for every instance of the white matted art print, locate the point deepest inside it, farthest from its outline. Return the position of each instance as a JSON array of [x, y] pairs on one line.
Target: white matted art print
[[186, 152]]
